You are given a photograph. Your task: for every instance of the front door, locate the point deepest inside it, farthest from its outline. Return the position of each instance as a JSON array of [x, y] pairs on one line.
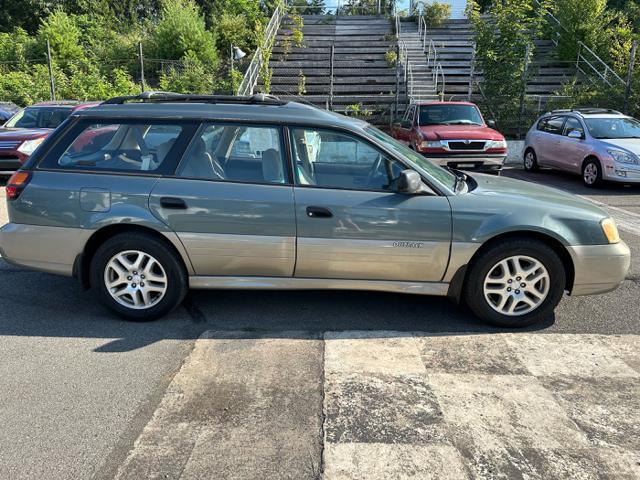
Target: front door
[[351, 225], [231, 202], [572, 151]]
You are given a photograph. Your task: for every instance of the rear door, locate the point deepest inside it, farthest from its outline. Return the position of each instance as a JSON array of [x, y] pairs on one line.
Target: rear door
[[231, 202], [351, 225], [550, 139]]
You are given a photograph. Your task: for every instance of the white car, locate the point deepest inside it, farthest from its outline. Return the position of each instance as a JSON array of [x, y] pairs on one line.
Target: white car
[[601, 145]]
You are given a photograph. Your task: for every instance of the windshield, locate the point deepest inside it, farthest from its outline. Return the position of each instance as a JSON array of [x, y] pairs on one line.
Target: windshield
[[440, 174], [613, 127], [39, 117], [449, 114]]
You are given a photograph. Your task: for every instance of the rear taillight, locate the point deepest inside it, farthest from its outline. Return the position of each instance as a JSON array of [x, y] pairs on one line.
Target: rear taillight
[[16, 184]]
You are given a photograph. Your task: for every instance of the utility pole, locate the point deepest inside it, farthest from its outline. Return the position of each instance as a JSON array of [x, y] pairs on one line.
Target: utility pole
[[333, 49], [627, 90], [471, 72], [141, 59], [51, 81]]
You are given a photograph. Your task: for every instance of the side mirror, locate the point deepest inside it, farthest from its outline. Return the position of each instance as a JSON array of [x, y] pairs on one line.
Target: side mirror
[[409, 182], [491, 123], [575, 134], [406, 124]]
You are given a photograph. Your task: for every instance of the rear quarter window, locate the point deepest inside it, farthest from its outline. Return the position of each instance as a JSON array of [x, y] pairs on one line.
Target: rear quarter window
[[145, 147]]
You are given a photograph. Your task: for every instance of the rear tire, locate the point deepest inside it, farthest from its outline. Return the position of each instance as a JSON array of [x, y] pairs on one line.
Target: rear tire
[[530, 160], [592, 173], [515, 283], [138, 277]]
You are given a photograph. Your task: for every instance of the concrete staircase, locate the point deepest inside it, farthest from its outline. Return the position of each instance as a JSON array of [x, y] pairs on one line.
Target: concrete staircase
[[361, 75], [422, 86]]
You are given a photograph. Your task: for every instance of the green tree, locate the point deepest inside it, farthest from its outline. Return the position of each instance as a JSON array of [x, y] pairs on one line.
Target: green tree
[[181, 31], [63, 34]]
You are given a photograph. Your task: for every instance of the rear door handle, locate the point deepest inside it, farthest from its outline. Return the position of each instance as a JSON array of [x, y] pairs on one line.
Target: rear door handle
[[319, 212], [173, 202]]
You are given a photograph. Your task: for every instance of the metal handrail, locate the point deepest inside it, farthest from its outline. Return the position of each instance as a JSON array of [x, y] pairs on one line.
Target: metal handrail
[[250, 79], [608, 71], [438, 70], [403, 59]]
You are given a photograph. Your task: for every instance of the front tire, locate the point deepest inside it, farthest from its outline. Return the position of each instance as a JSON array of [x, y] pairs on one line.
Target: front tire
[[515, 283], [592, 173], [530, 161], [138, 277]]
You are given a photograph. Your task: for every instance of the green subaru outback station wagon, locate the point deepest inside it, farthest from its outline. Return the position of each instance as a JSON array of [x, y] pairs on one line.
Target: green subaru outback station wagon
[[144, 197]]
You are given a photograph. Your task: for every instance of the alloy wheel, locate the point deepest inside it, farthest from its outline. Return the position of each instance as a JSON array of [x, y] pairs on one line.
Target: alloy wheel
[[135, 279], [590, 173], [516, 285], [528, 160]]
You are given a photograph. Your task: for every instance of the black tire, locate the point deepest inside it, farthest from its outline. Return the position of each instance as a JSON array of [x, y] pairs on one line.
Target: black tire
[[171, 263], [488, 258], [530, 161], [589, 180]]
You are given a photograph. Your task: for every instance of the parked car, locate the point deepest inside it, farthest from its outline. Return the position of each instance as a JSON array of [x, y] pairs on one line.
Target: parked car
[[452, 134], [599, 144], [145, 196], [28, 128], [7, 110]]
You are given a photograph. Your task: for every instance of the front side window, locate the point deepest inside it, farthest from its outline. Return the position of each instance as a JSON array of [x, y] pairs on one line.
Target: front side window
[[331, 159], [449, 114], [572, 124], [118, 146], [602, 128], [39, 117], [235, 153]]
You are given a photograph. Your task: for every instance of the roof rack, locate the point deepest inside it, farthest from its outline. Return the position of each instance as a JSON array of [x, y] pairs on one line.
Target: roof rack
[[162, 97], [586, 110]]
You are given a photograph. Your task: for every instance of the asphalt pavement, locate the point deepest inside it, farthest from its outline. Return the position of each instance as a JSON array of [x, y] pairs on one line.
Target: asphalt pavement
[[81, 387]]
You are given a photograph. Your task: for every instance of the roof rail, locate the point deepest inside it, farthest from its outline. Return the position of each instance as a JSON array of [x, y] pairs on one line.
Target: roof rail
[[153, 96], [586, 110]]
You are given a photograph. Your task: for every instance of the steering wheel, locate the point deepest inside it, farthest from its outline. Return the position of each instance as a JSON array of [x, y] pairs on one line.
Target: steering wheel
[[375, 169]]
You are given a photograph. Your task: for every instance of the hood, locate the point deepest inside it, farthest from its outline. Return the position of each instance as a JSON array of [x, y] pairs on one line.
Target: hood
[[23, 133], [528, 194], [460, 132], [630, 144]]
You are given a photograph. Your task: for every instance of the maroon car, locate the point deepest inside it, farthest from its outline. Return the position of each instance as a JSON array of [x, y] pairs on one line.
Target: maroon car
[[452, 134], [28, 128]]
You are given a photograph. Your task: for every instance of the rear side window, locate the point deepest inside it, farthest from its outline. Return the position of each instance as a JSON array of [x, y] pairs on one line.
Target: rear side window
[[121, 147], [551, 125], [39, 117], [235, 153]]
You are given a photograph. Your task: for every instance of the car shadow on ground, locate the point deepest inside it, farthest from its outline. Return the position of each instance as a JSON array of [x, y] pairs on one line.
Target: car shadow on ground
[[39, 304]]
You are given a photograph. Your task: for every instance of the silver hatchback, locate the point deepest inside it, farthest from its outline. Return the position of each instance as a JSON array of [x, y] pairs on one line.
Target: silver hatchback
[[601, 145]]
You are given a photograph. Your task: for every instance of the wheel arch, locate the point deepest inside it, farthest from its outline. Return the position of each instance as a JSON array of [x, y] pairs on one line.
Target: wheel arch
[[460, 276], [591, 156], [83, 260]]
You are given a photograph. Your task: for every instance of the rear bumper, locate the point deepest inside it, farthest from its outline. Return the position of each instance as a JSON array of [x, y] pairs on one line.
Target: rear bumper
[[49, 249], [599, 268], [9, 165], [469, 161]]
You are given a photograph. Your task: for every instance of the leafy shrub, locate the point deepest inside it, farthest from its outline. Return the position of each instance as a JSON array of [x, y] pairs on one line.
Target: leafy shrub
[[435, 13], [392, 58]]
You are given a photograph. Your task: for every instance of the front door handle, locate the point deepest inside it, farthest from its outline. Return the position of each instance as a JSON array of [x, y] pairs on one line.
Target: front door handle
[[173, 202], [319, 212]]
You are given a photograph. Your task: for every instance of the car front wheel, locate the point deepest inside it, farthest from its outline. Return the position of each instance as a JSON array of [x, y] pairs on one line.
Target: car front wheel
[[592, 173], [138, 277], [515, 283]]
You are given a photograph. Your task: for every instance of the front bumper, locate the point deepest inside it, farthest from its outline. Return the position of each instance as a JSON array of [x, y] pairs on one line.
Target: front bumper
[[623, 173], [479, 162], [599, 268]]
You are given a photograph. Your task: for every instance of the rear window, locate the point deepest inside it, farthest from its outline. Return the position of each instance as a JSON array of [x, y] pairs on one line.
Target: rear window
[[121, 146], [39, 117]]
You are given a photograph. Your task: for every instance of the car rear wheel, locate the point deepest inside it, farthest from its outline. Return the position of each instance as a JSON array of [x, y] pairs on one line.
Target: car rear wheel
[[530, 161], [138, 277], [592, 173], [515, 283]]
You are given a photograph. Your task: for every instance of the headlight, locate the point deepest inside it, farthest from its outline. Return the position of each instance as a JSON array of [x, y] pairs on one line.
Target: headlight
[[622, 156], [29, 146], [435, 144], [610, 230], [497, 144]]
